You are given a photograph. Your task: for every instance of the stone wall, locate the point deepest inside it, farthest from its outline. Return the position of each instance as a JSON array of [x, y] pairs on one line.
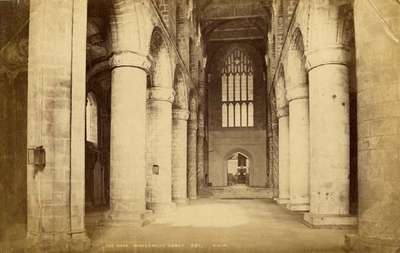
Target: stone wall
[[250, 139], [377, 30], [13, 116], [13, 113], [224, 143]]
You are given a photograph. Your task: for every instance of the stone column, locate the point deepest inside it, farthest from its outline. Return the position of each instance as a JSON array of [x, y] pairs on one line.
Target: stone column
[[127, 147], [201, 134], [297, 95], [283, 116], [56, 110], [378, 104], [130, 36], [275, 157], [192, 151], [179, 155], [160, 141], [329, 136]]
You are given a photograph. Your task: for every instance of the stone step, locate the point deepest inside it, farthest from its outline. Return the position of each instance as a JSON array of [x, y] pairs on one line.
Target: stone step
[[240, 192]]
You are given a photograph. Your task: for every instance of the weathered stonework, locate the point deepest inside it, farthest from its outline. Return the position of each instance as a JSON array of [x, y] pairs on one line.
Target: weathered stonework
[[179, 155], [156, 141], [192, 149], [55, 199], [378, 120]]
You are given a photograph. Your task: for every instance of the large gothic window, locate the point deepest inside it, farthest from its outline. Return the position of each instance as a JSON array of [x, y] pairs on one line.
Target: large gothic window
[[237, 90]]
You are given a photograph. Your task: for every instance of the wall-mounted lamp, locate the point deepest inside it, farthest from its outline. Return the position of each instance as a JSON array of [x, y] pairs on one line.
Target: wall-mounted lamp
[[156, 169], [37, 157]]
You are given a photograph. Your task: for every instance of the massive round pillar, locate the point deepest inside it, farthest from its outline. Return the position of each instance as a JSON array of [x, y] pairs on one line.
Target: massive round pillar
[[127, 146], [299, 148], [297, 96], [160, 141], [179, 155], [329, 136], [283, 140], [283, 116], [130, 36]]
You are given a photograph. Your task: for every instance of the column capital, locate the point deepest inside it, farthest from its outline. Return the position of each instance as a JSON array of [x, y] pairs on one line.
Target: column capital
[[337, 54], [297, 92], [161, 94], [283, 111], [180, 114], [127, 58]]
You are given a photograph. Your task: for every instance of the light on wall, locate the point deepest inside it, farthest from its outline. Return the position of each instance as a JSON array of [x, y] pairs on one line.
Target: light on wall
[[37, 157], [156, 169]]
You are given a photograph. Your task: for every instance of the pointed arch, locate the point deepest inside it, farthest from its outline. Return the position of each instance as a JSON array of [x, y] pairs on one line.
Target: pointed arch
[[181, 99], [296, 62], [162, 70], [280, 93]]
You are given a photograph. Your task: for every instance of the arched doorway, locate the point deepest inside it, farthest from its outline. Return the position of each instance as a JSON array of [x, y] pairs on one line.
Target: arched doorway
[[238, 168], [238, 165], [94, 172]]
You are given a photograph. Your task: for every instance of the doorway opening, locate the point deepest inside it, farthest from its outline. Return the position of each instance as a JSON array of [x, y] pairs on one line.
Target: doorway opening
[[97, 154], [238, 169]]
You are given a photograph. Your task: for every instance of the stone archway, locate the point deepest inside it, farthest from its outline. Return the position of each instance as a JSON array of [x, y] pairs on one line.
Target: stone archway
[[180, 116], [227, 166], [298, 103], [159, 126]]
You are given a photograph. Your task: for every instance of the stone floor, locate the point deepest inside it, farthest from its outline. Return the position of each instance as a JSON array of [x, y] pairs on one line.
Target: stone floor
[[214, 225], [210, 225], [240, 191]]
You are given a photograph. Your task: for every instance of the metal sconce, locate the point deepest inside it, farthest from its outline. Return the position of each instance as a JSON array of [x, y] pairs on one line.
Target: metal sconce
[[37, 157], [156, 169]]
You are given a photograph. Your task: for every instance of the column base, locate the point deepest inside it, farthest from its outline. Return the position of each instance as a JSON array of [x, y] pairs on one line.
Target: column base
[[114, 235], [136, 219], [181, 202], [192, 198], [282, 201], [60, 242], [315, 220], [297, 207], [162, 209], [356, 244]]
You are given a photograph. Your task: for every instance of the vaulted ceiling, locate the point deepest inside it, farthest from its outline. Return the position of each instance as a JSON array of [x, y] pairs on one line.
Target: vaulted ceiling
[[234, 20]]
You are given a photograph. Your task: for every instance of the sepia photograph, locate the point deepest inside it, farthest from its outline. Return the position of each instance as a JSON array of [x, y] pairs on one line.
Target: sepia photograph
[[215, 126]]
